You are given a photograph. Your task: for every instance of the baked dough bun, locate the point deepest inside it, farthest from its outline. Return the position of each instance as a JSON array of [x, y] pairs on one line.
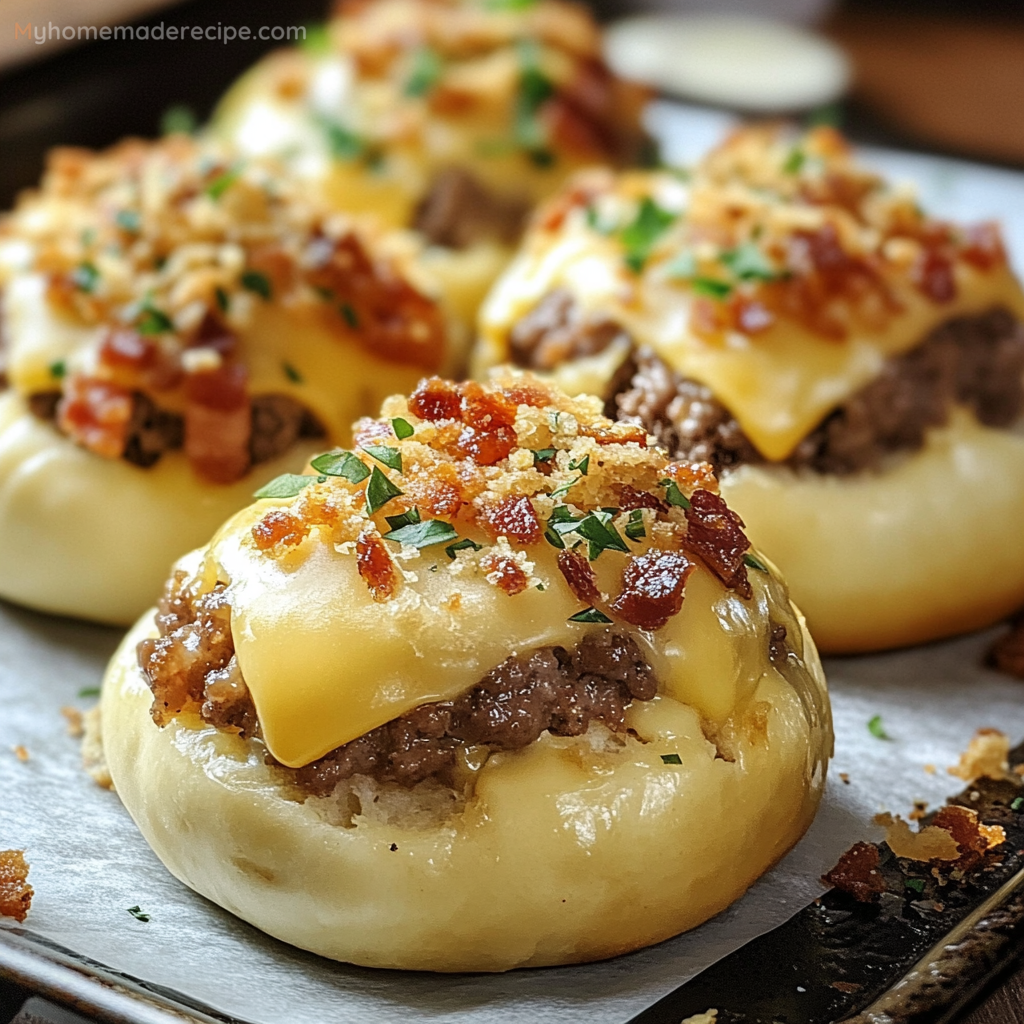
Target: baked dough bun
[[568, 849], [191, 324], [793, 318], [451, 117]]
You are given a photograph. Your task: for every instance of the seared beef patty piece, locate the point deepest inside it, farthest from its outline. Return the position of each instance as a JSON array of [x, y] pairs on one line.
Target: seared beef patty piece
[[277, 423], [459, 211]]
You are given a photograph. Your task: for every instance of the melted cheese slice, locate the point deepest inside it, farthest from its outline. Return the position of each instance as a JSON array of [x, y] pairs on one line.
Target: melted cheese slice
[[326, 664], [778, 384]]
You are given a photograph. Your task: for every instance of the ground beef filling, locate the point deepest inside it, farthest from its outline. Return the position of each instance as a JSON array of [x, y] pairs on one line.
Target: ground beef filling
[[191, 667], [278, 422], [977, 361], [459, 211]]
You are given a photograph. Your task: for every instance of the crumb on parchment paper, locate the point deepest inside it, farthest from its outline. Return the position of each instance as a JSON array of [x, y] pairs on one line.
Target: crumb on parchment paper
[[93, 759], [15, 892], [20, 752], [987, 757], [708, 1017], [74, 719]]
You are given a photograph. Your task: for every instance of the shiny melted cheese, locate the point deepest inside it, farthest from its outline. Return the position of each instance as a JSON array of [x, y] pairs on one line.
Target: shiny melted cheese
[[778, 384], [326, 664]]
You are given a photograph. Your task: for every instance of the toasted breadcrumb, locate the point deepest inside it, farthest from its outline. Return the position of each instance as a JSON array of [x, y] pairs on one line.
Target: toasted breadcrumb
[[929, 769], [15, 892], [20, 753], [708, 1017], [74, 720], [845, 778], [931, 843], [986, 757], [919, 811], [93, 759]]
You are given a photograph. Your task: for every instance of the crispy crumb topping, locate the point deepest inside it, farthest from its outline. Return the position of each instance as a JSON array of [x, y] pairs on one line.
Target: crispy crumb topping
[[15, 892], [492, 471], [987, 757]]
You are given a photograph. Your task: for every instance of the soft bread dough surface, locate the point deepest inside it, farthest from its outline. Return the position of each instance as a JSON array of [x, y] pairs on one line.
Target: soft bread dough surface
[[82, 535], [565, 852], [927, 548]]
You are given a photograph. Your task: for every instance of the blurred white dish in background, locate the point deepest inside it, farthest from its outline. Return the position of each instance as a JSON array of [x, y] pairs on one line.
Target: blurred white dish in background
[[729, 60]]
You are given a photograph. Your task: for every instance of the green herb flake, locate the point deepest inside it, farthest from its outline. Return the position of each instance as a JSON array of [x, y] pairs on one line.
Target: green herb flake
[[509, 5], [223, 182], [830, 115], [1017, 804], [287, 485], [386, 456], [316, 39], [58, 369], [462, 545], [795, 160], [254, 281], [379, 491], [424, 73], [423, 535], [540, 586], [404, 519], [88, 691], [561, 492], [344, 464], [635, 525], [583, 465], [915, 885], [292, 374], [673, 495], [749, 263], [349, 315], [596, 528], [178, 120], [402, 428], [876, 728], [343, 143], [754, 562], [544, 455], [85, 277], [153, 321], [711, 287], [222, 299], [128, 220], [589, 615], [535, 88], [138, 913], [671, 759], [639, 238]]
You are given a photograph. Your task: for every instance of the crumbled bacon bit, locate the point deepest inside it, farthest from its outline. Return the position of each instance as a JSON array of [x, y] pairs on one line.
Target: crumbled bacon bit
[[139, 359], [218, 422], [652, 588], [972, 837], [435, 399], [96, 413], [857, 873], [933, 275], [630, 498], [504, 573], [485, 447], [278, 526], [983, 246], [439, 494], [715, 533], [527, 393], [511, 517], [623, 433], [375, 565], [579, 574], [15, 892]]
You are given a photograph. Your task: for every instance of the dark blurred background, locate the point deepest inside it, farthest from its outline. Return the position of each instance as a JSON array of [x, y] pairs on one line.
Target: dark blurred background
[[938, 75]]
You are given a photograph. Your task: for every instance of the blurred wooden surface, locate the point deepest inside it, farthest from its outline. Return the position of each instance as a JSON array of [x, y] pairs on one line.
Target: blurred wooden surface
[[946, 80], [1003, 1005]]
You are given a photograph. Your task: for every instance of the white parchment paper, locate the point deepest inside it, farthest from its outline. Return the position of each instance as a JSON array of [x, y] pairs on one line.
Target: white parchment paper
[[88, 863]]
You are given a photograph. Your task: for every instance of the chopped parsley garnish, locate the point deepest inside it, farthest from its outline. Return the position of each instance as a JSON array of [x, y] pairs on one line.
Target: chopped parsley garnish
[[138, 913], [710, 287], [58, 369], [85, 277], [390, 457], [292, 374], [749, 263], [583, 465], [830, 114], [544, 455], [462, 545], [425, 72], [254, 281], [423, 535], [754, 562], [540, 586], [317, 38], [1017, 804], [535, 88], [597, 529], [915, 884], [345, 464], [287, 485], [89, 691], [343, 143], [794, 161], [153, 321], [405, 519], [402, 428], [673, 495], [178, 119], [509, 5], [877, 730], [560, 492], [589, 615], [635, 526], [350, 316], [671, 759], [223, 182], [639, 237], [222, 299], [128, 220], [379, 491]]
